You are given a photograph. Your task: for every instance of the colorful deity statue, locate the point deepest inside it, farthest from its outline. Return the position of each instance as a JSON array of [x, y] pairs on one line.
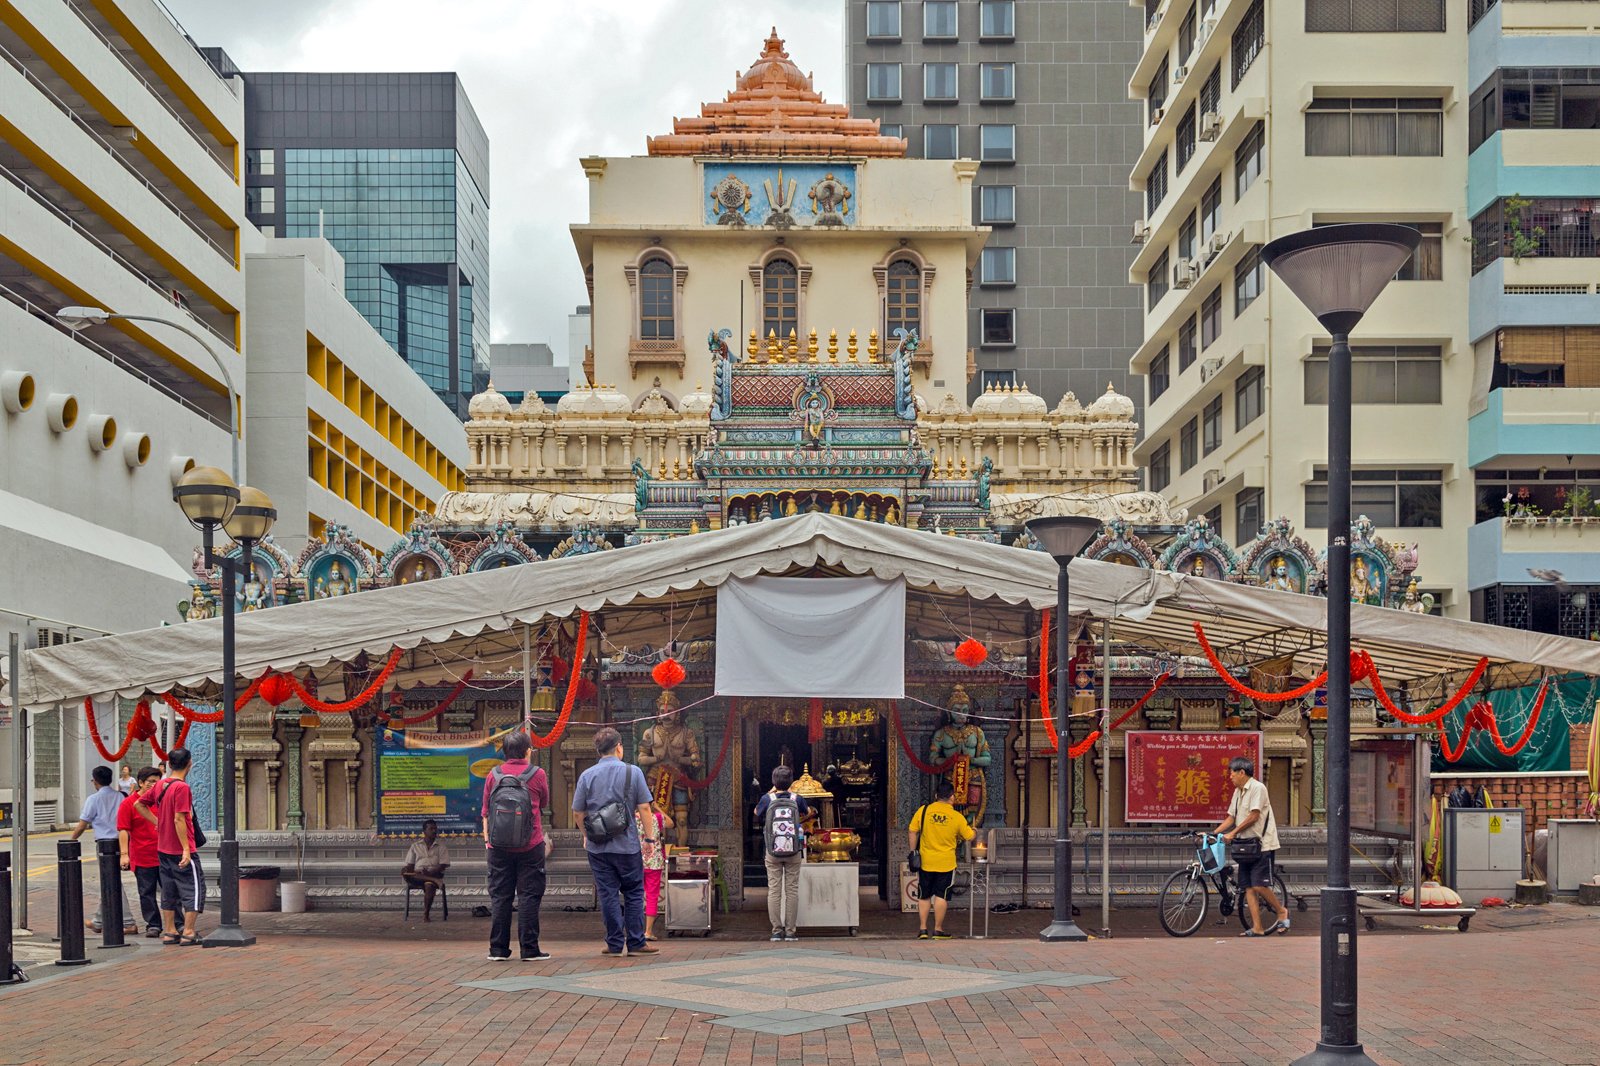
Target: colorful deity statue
[[254, 595], [337, 585], [814, 422], [200, 606], [1280, 579], [962, 743], [669, 754], [1416, 601], [1362, 590]]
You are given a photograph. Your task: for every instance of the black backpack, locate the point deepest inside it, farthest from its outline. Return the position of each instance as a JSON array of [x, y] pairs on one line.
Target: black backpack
[[511, 810], [782, 830]]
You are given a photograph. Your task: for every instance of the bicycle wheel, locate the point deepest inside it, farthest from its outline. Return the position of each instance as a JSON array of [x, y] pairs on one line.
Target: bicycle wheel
[[1269, 918], [1183, 901]]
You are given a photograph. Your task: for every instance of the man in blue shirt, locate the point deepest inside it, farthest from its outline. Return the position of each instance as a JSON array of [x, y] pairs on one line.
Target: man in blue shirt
[[616, 861], [100, 813]]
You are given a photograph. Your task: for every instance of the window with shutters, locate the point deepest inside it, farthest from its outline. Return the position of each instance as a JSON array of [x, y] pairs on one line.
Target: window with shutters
[[1159, 373], [1188, 342], [1155, 184], [1547, 357], [1248, 40], [1247, 512], [1380, 374], [1407, 499], [1186, 141], [1157, 281], [1248, 397], [1189, 445], [1211, 92], [1247, 160], [1375, 16], [1156, 99], [1161, 467], [1211, 426], [1377, 126], [1211, 318]]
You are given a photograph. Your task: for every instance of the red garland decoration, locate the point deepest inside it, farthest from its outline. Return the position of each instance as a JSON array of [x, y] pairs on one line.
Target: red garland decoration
[[1044, 678], [1438, 713], [668, 673], [905, 745], [1088, 742], [971, 654], [191, 715], [354, 702], [722, 754], [276, 689], [142, 726], [550, 738], [443, 705], [1261, 697], [1482, 716]]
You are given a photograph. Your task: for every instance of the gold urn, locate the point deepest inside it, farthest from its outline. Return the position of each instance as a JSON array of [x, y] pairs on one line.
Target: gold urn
[[833, 845]]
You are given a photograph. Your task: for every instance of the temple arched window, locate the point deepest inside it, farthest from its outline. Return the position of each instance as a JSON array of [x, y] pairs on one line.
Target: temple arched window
[[902, 297], [657, 315], [780, 298]]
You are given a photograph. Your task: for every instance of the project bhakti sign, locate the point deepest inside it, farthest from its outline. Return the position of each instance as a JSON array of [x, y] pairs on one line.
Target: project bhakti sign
[[438, 776], [1183, 777]]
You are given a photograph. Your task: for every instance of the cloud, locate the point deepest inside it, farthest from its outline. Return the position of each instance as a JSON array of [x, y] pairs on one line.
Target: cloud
[[550, 82]]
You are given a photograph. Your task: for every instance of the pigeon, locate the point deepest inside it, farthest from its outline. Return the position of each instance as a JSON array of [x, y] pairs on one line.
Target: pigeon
[[1552, 576]]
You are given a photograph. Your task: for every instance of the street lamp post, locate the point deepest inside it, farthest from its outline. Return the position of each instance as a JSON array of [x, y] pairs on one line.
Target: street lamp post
[[209, 499], [1063, 536], [77, 318], [1337, 272]]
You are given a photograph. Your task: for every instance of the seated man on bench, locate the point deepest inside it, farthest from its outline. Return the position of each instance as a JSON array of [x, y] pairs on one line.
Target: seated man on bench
[[425, 865]]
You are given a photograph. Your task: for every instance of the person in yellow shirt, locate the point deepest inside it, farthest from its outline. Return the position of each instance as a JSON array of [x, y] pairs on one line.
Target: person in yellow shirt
[[935, 831]]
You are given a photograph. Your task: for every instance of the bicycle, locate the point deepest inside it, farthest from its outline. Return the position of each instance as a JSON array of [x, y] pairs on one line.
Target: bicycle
[[1186, 896]]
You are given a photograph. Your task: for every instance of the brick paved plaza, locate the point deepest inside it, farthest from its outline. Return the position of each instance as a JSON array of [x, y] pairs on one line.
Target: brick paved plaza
[[371, 988]]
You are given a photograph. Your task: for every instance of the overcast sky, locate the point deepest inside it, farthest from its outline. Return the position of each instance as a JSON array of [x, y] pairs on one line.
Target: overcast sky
[[551, 81]]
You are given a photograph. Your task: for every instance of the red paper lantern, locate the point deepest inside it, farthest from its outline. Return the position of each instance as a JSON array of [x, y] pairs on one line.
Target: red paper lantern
[[587, 690], [971, 653], [668, 673], [275, 689], [558, 669]]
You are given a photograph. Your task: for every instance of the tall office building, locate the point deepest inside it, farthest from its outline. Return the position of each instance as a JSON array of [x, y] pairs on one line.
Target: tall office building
[[1035, 90], [1533, 194], [1264, 117], [393, 169]]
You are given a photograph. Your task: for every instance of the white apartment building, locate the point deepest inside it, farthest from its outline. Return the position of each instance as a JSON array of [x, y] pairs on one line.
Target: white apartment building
[[120, 168], [1266, 117]]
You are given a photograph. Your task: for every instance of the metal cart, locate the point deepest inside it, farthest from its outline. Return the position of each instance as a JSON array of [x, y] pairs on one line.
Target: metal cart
[[688, 892]]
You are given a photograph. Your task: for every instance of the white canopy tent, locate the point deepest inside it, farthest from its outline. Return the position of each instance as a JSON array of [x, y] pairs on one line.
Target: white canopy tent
[[479, 617]]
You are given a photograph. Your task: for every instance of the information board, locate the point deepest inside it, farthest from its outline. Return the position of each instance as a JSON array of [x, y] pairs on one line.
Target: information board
[[1183, 777], [433, 775], [1383, 787]]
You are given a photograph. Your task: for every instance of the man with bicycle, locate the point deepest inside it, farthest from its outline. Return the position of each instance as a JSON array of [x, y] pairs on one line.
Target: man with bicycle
[[1252, 836]]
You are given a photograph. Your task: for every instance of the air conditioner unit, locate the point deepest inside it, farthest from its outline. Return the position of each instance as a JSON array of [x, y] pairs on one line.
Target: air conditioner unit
[[1203, 31], [1141, 231], [1212, 480], [1179, 74], [1157, 115], [1210, 126], [1209, 367], [1184, 273], [1219, 241]]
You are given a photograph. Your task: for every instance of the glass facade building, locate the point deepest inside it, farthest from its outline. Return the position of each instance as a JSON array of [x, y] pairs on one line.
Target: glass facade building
[[393, 170]]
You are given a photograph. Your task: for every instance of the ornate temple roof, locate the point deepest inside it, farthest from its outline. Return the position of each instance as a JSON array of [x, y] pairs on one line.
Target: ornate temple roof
[[775, 111]]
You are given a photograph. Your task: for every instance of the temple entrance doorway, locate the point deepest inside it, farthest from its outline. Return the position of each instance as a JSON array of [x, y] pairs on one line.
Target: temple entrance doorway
[[773, 743]]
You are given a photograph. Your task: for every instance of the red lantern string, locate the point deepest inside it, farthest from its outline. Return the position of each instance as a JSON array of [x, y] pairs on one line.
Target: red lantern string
[[354, 702], [905, 745], [1076, 750], [1245, 690], [189, 714], [1482, 716], [1438, 713], [142, 726], [440, 708], [549, 739], [722, 754], [1044, 676]]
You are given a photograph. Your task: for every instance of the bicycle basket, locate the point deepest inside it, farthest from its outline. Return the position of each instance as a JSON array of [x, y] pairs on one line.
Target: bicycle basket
[[1213, 854]]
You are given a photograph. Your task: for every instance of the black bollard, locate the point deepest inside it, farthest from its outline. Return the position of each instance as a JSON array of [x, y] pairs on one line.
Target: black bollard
[[111, 917], [8, 973], [69, 902]]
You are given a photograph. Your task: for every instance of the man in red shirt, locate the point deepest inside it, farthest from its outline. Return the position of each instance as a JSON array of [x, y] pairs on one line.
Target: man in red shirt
[[516, 870], [136, 832], [182, 880]]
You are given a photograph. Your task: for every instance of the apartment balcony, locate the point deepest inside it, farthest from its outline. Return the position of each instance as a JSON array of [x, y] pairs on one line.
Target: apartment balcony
[[1502, 551], [1536, 423]]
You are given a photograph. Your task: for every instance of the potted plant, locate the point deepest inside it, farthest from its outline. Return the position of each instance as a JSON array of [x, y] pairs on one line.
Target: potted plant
[[294, 892]]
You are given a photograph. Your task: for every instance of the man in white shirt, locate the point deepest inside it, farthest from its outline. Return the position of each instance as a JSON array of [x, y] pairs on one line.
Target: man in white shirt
[[425, 865], [1250, 818], [100, 814]]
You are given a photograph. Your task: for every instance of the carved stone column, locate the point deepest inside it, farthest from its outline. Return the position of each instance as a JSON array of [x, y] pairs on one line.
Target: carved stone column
[[1319, 765], [255, 741], [330, 748], [294, 815], [1078, 728]]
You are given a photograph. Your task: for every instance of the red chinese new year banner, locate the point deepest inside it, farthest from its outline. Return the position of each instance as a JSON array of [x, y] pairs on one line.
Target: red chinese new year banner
[[1183, 777]]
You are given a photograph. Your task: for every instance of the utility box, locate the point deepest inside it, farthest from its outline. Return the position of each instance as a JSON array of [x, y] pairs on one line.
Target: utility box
[[1574, 854], [1483, 850]]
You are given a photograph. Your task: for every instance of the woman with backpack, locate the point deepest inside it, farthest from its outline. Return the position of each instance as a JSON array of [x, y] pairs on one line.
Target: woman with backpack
[[781, 813], [652, 850], [514, 795]]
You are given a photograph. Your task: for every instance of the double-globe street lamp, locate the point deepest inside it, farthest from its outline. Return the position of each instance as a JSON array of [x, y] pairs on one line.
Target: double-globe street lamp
[[1064, 537], [210, 498], [1337, 272]]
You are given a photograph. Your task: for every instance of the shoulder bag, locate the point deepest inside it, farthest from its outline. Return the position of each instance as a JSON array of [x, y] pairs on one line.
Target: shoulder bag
[[914, 856], [1248, 849]]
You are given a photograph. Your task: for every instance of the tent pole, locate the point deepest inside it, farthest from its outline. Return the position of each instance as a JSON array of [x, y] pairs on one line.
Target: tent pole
[[527, 682], [21, 801], [1105, 780]]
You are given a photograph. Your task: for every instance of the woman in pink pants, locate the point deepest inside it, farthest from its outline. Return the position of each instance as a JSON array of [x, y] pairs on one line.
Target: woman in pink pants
[[655, 867]]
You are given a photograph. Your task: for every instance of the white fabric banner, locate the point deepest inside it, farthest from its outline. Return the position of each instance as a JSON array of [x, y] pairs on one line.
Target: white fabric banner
[[832, 637]]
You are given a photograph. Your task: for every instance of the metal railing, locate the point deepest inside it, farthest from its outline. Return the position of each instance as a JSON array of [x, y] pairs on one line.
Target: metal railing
[[225, 164], [116, 256], [1477, 9], [95, 135], [101, 350]]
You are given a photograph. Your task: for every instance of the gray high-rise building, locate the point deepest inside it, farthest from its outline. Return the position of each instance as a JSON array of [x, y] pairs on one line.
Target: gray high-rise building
[[1037, 92], [393, 169]]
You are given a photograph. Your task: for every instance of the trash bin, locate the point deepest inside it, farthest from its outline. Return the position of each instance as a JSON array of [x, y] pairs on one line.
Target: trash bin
[[258, 888]]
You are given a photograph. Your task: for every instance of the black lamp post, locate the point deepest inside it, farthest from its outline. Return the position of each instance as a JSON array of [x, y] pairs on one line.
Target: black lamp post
[[1063, 536], [209, 499], [1337, 272]]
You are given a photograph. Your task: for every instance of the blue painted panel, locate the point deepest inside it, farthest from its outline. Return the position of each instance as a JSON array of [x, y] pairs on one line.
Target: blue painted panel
[[1488, 178], [1489, 308], [1488, 564], [778, 182], [1488, 49], [1489, 438]]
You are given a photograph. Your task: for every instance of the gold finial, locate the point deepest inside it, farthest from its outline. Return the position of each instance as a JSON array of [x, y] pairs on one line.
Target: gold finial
[[872, 513], [833, 346], [794, 346], [773, 347], [678, 476], [1024, 386], [934, 470], [949, 467], [850, 345], [964, 470], [989, 387], [872, 346], [661, 472], [833, 507], [753, 345], [694, 525], [892, 518], [811, 345]]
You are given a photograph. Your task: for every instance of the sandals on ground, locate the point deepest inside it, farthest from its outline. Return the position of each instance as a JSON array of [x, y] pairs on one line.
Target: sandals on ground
[[189, 939], [1252, 932], [171, 939]]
